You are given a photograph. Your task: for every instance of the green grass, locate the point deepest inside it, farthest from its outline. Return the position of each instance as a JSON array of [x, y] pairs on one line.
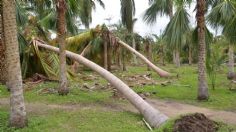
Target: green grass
[[76, 95], [90, 120], [96, 119], [221, 98]]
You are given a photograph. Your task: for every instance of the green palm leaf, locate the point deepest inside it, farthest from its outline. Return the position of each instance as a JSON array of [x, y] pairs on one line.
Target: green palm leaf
[[177, 28]]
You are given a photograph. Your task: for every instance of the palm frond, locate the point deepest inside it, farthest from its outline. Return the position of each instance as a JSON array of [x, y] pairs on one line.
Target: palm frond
[[177, 28], [230, 31], [221, 14], [158, 7]]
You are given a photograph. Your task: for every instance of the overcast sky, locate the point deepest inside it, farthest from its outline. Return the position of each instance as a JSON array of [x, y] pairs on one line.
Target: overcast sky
[[112, 11]]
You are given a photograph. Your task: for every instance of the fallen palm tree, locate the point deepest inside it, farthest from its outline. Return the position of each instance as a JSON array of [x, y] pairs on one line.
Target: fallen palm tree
[[151, 115], [110, 39], [161, 72]]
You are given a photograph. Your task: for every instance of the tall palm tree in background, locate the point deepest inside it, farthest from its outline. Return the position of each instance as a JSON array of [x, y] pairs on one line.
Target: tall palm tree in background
[[127, 17], [176, 28], [14, 79], [202, 83], [159, 7], [61, 33], [223, 15]]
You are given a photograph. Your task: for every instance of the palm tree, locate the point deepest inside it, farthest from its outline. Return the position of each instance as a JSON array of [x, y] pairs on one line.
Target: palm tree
[[176, 28], [223, 14], [160, 48], [159, 7], [18, 117], [127, 17], [148, 48], [202, 84], [230, 33], [61, 32]]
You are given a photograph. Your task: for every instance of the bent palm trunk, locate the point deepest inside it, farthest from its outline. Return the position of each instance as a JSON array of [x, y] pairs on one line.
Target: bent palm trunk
[[161, 72], [152, 116]]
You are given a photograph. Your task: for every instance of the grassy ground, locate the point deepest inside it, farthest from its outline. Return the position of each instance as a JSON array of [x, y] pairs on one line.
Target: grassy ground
[[184, 89], [97, 119]]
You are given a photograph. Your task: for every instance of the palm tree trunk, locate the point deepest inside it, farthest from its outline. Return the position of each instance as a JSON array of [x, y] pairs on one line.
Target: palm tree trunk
[[2, 55], [18, 117], [134, 47], [161, 72], [123, 60], [105, 55], [85, 51], [149, 54], [202, 84], [190, 57], [109, 57], [151, 115], [171, 14], [231, 59], [162, 62], [177, 58], [61, 30], [174, 58], [118, 57], [171, 9], [162, 56]]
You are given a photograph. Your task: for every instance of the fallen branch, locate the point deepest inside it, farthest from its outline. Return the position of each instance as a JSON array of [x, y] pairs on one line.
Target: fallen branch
[[148, 126]]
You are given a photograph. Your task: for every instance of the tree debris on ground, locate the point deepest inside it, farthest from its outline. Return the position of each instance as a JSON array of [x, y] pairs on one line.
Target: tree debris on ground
[[195, 123]]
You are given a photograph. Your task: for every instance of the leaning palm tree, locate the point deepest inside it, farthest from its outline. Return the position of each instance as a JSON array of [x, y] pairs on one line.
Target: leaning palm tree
[[61, 32], [14, 79], [202, 83], [98, 32], [151, 115]]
